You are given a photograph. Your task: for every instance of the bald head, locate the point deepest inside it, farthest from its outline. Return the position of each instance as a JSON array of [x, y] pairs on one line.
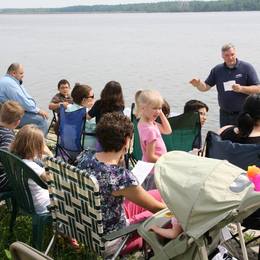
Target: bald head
[[16, 71]]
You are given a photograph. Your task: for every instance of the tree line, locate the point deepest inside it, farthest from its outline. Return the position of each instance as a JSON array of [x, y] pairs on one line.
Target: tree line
[[170, 6]]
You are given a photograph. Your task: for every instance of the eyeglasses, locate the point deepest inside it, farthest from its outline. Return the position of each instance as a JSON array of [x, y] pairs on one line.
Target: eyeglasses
[[90, 96]]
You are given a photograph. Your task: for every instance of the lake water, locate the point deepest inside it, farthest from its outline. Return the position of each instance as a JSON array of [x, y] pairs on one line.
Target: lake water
[[161, 51]]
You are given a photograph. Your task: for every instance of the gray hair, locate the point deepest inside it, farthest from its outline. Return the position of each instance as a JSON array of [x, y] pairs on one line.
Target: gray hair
[[13, 68], [227, 46]]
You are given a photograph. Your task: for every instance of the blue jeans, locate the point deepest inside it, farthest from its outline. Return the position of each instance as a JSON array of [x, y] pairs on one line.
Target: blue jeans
[[32, 118], [227, 118]]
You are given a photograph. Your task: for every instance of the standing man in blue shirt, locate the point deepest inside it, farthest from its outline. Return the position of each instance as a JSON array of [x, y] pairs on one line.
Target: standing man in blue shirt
[[11, 88], [235, 80]]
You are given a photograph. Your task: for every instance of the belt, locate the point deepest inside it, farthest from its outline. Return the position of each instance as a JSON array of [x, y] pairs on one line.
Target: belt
[[229, 112]]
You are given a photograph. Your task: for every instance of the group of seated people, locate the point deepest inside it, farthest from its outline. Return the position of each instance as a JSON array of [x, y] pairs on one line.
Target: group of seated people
[[119, 188]]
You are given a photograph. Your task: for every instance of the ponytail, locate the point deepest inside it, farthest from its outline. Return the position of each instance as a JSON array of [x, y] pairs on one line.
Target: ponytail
[[245, 124]]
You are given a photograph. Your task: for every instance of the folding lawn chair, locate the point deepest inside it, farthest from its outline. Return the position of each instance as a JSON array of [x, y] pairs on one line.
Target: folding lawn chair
[[22, 251], [18, 173], [71, 129], [186, 132], [75, 208]]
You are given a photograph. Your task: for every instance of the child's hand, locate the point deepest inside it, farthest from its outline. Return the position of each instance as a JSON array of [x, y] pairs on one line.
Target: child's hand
[[65, 104]]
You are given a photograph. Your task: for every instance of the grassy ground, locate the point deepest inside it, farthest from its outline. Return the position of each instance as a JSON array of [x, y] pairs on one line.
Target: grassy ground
[[23, 232]]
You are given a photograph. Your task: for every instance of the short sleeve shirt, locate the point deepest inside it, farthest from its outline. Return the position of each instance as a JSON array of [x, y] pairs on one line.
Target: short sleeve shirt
[[110, 178], [243, 73], [96, 112], [58, 98], [148, 133], [40, 196]]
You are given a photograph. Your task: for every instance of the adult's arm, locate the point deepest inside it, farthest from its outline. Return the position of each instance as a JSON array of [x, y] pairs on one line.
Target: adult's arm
[[141, 197], [200, 85], [248, 90], [23, 98], [253, 83]]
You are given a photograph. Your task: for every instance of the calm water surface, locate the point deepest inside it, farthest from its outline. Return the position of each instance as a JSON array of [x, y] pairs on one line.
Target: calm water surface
[[162, 51]]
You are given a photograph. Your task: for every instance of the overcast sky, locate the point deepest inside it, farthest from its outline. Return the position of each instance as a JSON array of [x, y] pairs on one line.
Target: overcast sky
[[61, 3]]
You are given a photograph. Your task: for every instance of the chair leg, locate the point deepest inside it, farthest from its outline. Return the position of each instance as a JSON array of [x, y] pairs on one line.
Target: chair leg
[[37, 236], [52, 242], [120, 247], [242, 241], [13, 216]]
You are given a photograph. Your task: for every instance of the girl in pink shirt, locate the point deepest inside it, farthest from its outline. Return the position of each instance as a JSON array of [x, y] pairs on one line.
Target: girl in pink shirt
[[150, 107]]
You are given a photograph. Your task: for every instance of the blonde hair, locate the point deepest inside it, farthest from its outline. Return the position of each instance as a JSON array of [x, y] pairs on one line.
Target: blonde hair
[[150, 97], [11, 112], [28, 143], [137, 105]]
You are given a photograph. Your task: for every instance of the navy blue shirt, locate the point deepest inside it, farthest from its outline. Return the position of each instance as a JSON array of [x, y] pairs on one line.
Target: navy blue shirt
[[243, 73]]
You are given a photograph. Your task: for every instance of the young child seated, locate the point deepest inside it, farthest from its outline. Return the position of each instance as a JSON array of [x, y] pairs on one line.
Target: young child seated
[[63, 97], [197, 106], [171, 232], [200, 107], [10, 115], [29, 145]]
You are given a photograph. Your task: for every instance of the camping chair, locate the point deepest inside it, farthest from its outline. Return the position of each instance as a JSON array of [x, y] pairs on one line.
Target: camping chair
[[18, 174], [186, 132], [75, 208], [241, 155], [71, 128], [22, 251], [135, 153]]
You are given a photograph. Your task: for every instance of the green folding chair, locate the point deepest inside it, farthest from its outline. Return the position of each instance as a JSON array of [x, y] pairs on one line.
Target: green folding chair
[[186, 132], [18, 173]]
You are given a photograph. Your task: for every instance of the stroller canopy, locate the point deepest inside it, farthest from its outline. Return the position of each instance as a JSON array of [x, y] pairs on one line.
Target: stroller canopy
[[197, 189]]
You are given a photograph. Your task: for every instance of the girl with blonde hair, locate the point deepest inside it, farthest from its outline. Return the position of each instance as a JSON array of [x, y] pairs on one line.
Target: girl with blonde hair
[[30, 146], [152, 144]]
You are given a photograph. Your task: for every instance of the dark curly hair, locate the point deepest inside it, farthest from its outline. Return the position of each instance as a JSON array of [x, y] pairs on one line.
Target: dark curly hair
[[112, 98], [112, 131]]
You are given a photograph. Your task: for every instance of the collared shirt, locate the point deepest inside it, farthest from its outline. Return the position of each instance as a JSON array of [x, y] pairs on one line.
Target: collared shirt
[[11, 89], [243, 73]]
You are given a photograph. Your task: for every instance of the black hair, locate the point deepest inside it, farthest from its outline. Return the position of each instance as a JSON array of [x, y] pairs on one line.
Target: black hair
[[249, 116]]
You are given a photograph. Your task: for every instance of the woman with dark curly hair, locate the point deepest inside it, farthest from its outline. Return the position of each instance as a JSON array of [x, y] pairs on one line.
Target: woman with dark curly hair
[[114, 132], [111, 100]]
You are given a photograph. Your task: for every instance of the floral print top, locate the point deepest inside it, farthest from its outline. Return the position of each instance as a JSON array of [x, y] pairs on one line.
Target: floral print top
[[110, 178]]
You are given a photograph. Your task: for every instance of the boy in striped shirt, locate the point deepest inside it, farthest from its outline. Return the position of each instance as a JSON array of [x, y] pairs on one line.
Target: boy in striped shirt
[[11, 113]]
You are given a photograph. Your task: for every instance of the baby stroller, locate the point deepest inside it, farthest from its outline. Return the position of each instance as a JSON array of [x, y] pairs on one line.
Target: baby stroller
[[204, 195]]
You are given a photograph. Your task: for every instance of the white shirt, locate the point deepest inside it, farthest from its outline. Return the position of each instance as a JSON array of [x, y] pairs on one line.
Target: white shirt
[[40, 196]]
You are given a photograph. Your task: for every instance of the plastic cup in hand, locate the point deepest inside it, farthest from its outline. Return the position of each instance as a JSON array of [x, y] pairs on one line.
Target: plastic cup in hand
[[256, 181]]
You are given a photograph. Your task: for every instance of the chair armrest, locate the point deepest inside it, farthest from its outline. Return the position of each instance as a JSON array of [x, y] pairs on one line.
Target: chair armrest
[[122, 232]]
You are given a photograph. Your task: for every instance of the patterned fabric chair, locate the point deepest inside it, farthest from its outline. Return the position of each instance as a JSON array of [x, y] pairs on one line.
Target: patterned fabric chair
[[75, 207]]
